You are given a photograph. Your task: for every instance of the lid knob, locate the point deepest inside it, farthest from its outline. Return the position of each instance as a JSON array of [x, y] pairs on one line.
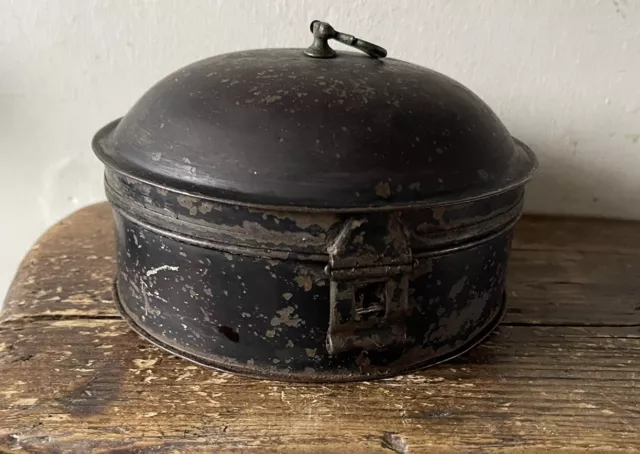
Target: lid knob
[[323, 32]]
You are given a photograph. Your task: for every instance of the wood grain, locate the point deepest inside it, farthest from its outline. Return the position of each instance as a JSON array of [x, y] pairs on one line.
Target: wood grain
[[561, 372]]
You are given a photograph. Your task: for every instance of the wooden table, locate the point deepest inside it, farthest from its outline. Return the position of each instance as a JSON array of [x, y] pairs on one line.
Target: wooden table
[[562, 371]]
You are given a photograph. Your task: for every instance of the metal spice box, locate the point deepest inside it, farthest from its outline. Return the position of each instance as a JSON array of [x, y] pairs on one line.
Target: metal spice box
[[312, 216]]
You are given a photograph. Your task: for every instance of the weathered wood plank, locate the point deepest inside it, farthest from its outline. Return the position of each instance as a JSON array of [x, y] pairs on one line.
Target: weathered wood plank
[[561, 288], [69, 270], [545, 388], [560, 373], [576, 234]]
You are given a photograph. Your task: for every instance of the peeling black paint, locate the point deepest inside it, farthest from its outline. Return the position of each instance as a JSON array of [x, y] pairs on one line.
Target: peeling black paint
[[252, 314]]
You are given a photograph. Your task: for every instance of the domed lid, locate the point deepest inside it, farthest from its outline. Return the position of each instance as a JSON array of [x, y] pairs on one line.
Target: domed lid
[[300, 128]]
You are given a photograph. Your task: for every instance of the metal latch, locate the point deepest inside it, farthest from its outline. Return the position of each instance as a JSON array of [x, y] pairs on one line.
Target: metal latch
[[369, 266]]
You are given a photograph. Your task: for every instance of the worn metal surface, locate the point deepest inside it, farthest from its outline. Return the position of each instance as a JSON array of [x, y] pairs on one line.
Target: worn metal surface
[[294, 234], [270, 317], [309, 296], [274, 127], [309, 219]]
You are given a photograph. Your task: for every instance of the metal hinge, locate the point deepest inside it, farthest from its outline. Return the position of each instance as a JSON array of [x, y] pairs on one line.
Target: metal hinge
[[369, 267]]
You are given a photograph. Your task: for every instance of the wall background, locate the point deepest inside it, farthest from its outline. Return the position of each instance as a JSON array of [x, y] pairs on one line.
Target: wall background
[[564, 76]]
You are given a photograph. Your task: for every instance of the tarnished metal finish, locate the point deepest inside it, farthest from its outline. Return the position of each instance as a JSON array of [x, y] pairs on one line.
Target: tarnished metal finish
[[323, 32], [312, 219], [360, 289], [273, 127], [269, 317], [288, 233], [365, 292]]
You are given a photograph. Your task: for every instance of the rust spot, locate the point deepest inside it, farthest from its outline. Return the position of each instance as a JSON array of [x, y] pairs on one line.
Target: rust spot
[[189, 203], [286, 317], [438, 215], [383, 190], [205, 207], [272, 98], [305, 282]]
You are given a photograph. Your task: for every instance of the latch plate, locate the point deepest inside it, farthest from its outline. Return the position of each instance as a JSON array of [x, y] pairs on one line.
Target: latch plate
[[370, 264]]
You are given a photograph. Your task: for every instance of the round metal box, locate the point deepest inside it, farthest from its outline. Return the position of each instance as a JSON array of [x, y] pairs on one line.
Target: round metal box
[[302, 215]]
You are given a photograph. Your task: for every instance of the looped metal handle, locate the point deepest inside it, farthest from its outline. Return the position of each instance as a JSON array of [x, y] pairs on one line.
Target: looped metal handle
[[323, 32]]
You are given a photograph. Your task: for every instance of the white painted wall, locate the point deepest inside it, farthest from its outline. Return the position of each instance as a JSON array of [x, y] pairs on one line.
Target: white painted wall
[[563, 75]]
